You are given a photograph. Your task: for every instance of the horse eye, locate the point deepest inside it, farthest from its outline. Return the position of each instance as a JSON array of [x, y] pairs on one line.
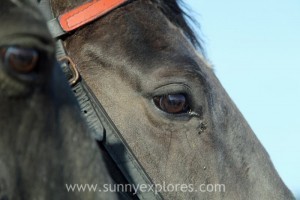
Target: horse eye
[[172, 103], [22, 60]]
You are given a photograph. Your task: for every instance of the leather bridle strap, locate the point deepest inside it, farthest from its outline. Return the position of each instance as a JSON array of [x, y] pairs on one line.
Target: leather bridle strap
[[81, 15], [101, 126]]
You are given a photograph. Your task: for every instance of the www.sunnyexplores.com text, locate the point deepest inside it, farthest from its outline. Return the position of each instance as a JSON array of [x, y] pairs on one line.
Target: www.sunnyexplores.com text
[[156, 188]]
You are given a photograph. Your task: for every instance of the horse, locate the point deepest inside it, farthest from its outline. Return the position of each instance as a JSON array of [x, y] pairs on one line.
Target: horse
[[145, 65], [44, 142]]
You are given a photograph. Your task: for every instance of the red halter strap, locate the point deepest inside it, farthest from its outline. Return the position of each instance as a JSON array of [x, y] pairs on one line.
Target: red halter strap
[[86, 13]]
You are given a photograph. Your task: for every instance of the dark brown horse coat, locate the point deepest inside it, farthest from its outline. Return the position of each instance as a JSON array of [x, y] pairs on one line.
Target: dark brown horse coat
[[141, 63]]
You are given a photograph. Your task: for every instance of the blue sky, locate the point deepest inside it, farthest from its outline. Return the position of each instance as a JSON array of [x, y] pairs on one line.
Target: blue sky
[[254, 46]]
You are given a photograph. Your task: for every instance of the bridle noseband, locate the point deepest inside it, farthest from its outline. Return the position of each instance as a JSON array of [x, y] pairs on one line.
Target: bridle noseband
[[101, 126]]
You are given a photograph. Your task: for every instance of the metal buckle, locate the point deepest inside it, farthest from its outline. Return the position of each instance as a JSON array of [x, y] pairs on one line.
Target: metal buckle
[[75, 74]]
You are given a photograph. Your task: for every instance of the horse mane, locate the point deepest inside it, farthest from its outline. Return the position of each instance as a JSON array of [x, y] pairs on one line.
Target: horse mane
[[172, 9]]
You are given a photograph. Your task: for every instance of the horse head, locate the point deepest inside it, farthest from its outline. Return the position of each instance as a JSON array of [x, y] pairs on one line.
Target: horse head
[[141, 62], [44, 142]]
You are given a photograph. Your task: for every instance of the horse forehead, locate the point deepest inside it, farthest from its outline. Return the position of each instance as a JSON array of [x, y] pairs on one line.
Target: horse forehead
[[20, 20], [137, 33], [157, 35]]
